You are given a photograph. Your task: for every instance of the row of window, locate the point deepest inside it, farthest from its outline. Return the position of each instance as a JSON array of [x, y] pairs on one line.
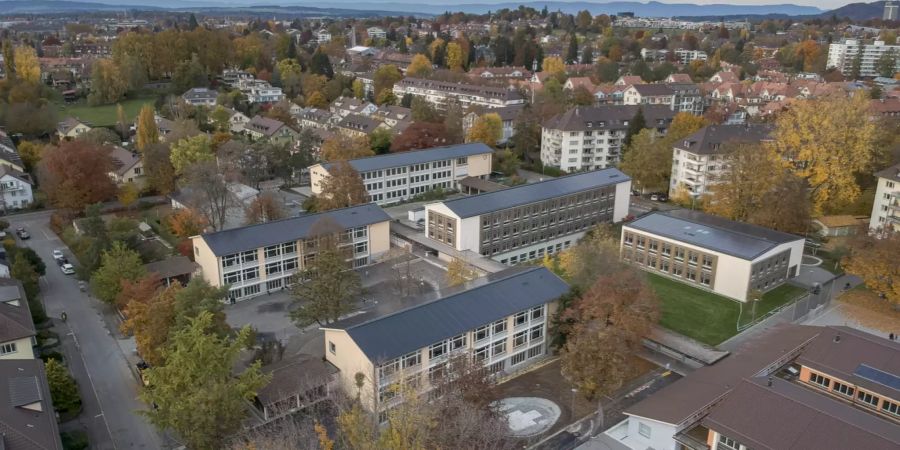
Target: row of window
[[8, 348], [539, 253], [274, 251], [549, 206], [846, 390], [525, 239], [239, 258]]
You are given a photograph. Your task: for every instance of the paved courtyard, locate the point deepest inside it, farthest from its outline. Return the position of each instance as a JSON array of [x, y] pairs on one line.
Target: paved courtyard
[[529, 416]]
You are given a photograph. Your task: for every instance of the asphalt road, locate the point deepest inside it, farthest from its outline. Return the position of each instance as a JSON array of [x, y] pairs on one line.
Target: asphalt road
[[108, 385]]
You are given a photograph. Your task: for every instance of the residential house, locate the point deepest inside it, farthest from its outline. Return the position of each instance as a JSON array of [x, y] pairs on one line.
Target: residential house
[[885, 107], [724, 76], [508, 117], [315, 118], [356, 125], [297, 382], [699, 160], [653, 54], [236, 119], [260, 127], [27, 417], [678, 78], [712, 253], [376, 33], [323, 36], [342, 106], [886, 209], [588, 138], [500, 322], [71, 128], [649, 94], [685, 56], [257, 259], [438, 93], [629, 80], [526, 222], [200, 96], [839, 225], [128, 167], [17, 332], [397, 177], [16, 189], [515, 72]]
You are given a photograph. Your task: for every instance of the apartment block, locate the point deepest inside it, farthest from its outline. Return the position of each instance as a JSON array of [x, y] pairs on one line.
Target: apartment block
[[588, 138], [702, 158], [687, 56], [526, 222], [398, 177], [886, 209], [438, 93], [726, 257], [500, 322], [844, 56], [262, 258], [794, 387]]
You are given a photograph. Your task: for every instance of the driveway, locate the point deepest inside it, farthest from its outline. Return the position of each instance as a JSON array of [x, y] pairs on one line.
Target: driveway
[[107, 383]]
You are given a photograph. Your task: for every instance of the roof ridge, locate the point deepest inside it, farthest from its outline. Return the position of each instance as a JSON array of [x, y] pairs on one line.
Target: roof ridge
[[287, 219], [412, 151], [568, 175]]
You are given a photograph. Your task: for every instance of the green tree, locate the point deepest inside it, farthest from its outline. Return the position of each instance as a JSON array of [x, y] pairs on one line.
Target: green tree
[[117, 264], [63, 389], [635, 126], [189, 74], [488, 129], [384, 79], [572, 52], [380, 140], [359, 89], [189, 151], [196, 393], [201, 297]]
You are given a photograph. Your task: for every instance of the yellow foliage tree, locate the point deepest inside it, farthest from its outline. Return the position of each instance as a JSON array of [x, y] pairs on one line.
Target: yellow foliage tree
[[827, 142], [341, 147], [432, 49], [316, 100], [488, 129], [459, 272], [554, 66], [420, 66], [875, 261], [454, 56], [128, 194], [28, 68], [147, 131]]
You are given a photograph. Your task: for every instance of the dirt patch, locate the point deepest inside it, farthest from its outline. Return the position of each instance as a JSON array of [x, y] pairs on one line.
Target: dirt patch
[[869, 310]]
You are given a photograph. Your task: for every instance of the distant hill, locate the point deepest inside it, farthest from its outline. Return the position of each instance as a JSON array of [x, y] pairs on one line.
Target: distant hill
[[858, 11], [12, 7]]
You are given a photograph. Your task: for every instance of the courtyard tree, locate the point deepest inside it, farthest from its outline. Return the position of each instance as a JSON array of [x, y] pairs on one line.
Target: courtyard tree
[[342, 188], [118, 264], [341, 147], [875, 261], [488, 129]]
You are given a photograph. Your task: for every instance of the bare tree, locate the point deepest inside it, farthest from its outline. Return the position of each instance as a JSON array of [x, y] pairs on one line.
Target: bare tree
[[208, 193]]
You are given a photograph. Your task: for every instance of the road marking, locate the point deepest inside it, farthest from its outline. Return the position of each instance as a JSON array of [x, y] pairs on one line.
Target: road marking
[[93, 388]]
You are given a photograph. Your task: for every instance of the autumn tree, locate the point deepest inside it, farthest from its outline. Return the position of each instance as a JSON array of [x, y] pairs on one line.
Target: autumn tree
[[487, 129], [419, 67], [454, 58], [265, 207], [190, 151], [185, 223], [420, 135], [28, 68], [827, 142], [158, 168], [874, 260], [107, 83], [459, 272], [208, 193], [595, 256], [385, 77], [147, 131], [342, 188], [341, 147], [326, 288], [554, 66], [196, 394], [648, 159], [786, 206], [609, 323], [149, 316], [69, 175], [118, 264]]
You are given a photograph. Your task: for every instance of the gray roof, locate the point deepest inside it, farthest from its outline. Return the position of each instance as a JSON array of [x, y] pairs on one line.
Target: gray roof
[[610, 117], [416, 157], [241, 239], [891, 173], [172, 266], [23, 428], [737, 239], [709, 140], [8, 151], [653, 89], [530, 193], [397, 334], [200, 93], [504, 93], [15, 321]]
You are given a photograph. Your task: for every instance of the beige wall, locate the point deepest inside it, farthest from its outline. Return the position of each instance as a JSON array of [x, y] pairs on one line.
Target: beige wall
[[379, 238], [208, 262], [350, 360], [24, 349], [480, 165], [317, 173]]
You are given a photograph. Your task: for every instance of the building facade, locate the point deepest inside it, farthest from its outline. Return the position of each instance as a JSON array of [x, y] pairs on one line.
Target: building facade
[[262, 258], [726, 257], [398, 177], [500, 324], [886, 209], [589, 138], [16, 189], [438, 93], [700, 159], [845, 55], [528, 221]]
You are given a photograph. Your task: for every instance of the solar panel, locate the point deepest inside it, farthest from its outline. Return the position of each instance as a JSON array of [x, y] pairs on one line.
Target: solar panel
[[878, 376]]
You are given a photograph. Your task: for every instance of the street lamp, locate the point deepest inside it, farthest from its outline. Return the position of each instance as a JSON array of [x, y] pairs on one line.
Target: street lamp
[[574, 391]]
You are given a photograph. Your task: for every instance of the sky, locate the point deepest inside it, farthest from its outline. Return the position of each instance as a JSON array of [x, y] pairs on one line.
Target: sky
[[821, 4]]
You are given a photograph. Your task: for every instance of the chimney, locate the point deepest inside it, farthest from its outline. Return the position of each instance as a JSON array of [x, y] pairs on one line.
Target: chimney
[[837, 338]]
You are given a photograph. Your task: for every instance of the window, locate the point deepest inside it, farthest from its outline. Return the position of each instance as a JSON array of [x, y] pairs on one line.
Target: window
[[332, 348], [518, 358], [481, 333], [412, 359], [500, 326], [867, 398], [890, 408], [820, 380], [842, 388], [537, 332], [521, 318], [498, 348], [437, 350], [520, 338], [9, 348], [481, 353], [462, 161], [457, 342], [537, 312], [644, 430], [728, 443]]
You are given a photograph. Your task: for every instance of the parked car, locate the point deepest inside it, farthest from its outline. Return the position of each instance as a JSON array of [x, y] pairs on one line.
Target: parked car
[[58, 254], [62, 261], [654, 197], [22, 234], [67, 269], [663, 197]]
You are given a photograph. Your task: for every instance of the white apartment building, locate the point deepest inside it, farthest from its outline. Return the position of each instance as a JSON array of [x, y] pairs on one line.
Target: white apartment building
[[376, 33], [687, 56], [258, 259], [500, 323], [15, 189], [397, 177], [323, 36], [843, 55], [708, 252], [528, 221], [439, 92], [589, 138], [260, 91], [886, 209], [699, 159]]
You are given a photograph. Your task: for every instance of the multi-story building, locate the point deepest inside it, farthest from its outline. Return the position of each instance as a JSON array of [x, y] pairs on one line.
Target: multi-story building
[[680, 97], [396, 177], [845, 55], [588, 138], [376, 33], [526, 222], [200, 96], [699, 160], [323, 36], [508, 117], [500, 323], [262, 258], [794, 387], [687, 56], [259, 91], [723, 256], [16, 189], [890, 11], [439, 92], [886, 209]]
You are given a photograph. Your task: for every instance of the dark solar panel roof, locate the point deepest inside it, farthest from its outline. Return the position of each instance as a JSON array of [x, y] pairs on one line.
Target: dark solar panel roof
[[388, 161], [737, 239], [241, 239], [397, 334], [878, 376], [530, 193]]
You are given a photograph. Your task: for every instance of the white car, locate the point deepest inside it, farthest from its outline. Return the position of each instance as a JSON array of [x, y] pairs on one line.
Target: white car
[[67, 269], [58, 254]]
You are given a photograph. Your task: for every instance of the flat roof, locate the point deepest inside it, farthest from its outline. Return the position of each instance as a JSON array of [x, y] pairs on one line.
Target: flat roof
[[397, 334], [251, 237], [737, 239], [530, 193], [401, 159]]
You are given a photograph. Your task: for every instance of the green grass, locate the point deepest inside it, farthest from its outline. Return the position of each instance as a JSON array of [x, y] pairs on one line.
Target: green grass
[[103, 115], [705, 316]]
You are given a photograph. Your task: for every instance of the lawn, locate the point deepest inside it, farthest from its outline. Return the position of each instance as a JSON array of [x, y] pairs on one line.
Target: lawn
[[705, 316], [103, 115]]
